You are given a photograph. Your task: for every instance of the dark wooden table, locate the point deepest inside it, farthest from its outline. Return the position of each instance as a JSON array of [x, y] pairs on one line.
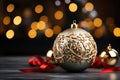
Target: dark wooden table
[[10, 70]]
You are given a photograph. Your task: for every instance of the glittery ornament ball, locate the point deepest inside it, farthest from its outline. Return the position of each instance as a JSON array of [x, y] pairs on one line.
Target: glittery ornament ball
[[74, 49], [109, 56]]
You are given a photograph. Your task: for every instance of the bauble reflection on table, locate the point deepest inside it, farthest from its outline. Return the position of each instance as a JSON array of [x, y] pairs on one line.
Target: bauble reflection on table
[[109, 56], [74, 49]]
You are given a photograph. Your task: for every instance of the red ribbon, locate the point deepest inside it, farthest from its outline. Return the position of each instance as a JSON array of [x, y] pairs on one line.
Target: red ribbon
[[99, 64], [41, 65]]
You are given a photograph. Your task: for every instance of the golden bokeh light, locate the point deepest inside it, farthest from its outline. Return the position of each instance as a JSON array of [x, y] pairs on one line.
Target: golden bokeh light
[[90, 23], [58, 15], [34, 25], [97, 22], [10, 34], [10, 8], [6, 20], [39, 8], [116, 32], [17, 20], [32, 33], [99, 32], [44, 18], [41, 25], [48, 32], [89, 6], [56, 29], [73, 7]]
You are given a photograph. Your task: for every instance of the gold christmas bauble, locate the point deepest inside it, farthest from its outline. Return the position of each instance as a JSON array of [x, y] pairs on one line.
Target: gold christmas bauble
[[109, 56], [74, 49]]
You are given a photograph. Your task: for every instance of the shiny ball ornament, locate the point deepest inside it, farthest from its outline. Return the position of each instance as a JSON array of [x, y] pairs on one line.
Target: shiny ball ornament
[[109, 56], [74, 49]]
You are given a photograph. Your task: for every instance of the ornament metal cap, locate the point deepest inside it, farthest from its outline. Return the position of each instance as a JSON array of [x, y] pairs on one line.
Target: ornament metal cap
[[74, 25], [109, 47]]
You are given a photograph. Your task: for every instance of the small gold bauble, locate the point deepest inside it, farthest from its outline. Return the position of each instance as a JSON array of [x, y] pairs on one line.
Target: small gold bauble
[[109, 56]]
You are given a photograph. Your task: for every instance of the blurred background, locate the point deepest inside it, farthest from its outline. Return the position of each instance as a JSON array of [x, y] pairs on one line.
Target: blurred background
[[29, 27]]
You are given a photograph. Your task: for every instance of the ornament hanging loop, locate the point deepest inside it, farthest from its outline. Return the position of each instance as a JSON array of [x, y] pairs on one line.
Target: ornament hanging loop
[[109, 47], [74, 25]]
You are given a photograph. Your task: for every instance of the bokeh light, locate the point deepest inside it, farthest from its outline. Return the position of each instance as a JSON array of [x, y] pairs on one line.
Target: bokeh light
[[34, 25], [32, 33], [116, 32], [83, 24], [93, 14], [89, 6], [73, 7], [48, 33], [44, 18], [39, 8], [10, 8], [41, 25], [67, 1], [17, 20], [97, 22], [90, 23], [58, 15], [6, 20], [57, 3], [56, 29], [10, 34]]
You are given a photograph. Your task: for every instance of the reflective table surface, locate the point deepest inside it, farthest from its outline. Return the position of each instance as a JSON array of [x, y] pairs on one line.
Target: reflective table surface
[[10, 70]]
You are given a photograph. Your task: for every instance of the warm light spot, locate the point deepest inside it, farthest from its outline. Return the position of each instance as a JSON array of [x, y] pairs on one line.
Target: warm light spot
[[116, 32], [73, 7], [48, 32], [38, 8], [83, 24], [10, 34], [44, 18], [41, 25], [58, 15], [17, 20], [99, 32], [27, 12], [6, 20], [32, 33], [90, 24], [56, 29], [97, 22], [89, 6], [10, 8], [34, 25]]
